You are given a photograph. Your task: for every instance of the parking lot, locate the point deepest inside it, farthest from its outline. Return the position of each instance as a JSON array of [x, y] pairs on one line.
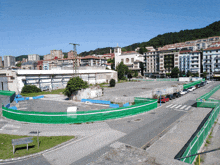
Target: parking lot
[[60, 103]]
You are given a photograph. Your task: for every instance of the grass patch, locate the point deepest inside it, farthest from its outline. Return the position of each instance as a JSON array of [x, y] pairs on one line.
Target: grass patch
[[57, 91], [197, 160], [6, 149]]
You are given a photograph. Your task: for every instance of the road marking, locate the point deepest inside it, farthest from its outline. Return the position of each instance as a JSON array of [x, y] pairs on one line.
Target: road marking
[[174, 105], [169, 105], [178, 106], [188, 108], [183, 106]]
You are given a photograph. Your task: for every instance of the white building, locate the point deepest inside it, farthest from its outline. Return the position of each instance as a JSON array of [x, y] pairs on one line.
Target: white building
[[33, 57], [130, 58], [9, 61], [54, 79]]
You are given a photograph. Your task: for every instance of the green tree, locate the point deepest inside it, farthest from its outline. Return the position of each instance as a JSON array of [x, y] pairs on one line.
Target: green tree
[[142, 50], [175, 72], [123, 50], [135, 73], [112, 83], [189, 73], [74, 84], [204, 75], [18, 64], [142, 68], [30, 89], [122, 71]]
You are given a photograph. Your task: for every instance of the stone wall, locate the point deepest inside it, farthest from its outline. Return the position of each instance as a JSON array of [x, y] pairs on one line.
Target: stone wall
[[87, 93]]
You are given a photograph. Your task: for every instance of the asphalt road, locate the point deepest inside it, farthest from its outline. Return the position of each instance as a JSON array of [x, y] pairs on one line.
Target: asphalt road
[[140, 129]]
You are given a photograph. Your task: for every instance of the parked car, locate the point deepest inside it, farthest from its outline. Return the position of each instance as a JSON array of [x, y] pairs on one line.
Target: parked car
[[184, 91], [190, 89], [202, 84], [198, 85], [194, 87], [170, 96], [176, 94], [163, 99]]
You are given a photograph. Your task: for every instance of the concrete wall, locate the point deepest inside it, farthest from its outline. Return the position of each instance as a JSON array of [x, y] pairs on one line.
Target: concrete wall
[[87, 93], [4, 99], [3, 82], [186, 79]]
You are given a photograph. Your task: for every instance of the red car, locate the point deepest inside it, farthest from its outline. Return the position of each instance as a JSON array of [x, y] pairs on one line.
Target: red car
[[163, 99]]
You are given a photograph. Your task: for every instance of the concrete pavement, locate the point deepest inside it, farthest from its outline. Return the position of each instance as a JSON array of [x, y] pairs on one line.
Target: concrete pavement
[[96, 138]]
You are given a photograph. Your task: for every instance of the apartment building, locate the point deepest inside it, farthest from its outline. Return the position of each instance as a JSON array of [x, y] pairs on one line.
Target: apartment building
[[33, 57], [72, 54], [54, 54], [190, 61], [211, 60], [1, 64], [9, 61], [152, 63]]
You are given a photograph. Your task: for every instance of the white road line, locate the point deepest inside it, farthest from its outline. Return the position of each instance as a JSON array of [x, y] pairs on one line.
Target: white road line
[[169, 105], [183, 106], [174, 105], [178, 106], [188, 108]]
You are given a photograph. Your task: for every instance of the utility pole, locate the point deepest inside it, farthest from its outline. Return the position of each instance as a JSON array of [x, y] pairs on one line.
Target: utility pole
[[74, 51]]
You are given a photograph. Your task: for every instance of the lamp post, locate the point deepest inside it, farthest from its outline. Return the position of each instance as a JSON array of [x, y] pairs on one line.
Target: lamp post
[[159, 93]]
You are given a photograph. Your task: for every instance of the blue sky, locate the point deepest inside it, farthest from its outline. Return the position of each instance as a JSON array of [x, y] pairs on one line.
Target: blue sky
[[38, 26]]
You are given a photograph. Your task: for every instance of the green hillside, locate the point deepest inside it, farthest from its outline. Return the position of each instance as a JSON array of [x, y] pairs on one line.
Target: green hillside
[[167, 38]]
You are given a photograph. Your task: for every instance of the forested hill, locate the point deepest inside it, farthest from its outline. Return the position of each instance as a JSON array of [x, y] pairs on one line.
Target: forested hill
[[97, 51], [168, 38], [181, 36]]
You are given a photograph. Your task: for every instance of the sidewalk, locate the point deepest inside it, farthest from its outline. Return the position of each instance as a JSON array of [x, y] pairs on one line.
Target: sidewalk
[[213, 158]]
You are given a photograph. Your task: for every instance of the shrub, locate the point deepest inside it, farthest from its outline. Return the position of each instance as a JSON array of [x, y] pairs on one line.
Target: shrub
[[74, 84], [112, 83], [30, 89]]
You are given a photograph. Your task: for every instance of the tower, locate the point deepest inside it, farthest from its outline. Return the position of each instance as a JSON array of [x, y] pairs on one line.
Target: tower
[[117, 52]]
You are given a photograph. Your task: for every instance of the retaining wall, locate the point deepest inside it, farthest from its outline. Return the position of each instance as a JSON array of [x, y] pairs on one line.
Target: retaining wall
[[82, 116]]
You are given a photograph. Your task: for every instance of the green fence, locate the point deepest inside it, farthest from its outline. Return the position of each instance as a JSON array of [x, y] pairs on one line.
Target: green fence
[[199, 138], [185, 86], [167, 79], [7, 93], [143, 105]]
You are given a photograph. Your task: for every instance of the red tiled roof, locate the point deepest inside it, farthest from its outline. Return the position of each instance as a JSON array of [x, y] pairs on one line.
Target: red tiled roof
[[90, 57], [185, 51], [213, 48]]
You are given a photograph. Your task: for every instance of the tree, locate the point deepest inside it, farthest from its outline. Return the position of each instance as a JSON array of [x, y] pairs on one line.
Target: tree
[[30, 89], [112, 83], [204, 75], [129, 76], [74, 84], [123, 50], [18, 64], [175, 72], [122, 71], [142, 50], [142, 68], [189, 73]]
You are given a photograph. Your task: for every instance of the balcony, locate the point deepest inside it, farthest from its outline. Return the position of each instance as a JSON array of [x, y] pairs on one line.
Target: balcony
[[207, 64], [217, 58]]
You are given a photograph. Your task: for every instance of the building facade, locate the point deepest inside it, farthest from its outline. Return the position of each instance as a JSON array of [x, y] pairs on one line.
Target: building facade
[[54, 54], [211, 60], [9, 61], [33, 57]]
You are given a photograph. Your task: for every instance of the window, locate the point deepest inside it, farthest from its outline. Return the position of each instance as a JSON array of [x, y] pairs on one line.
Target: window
[[132, 59], [127, 60]]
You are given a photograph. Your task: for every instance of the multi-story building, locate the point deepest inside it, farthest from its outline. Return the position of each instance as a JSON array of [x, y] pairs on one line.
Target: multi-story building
[[30, 65], [190, 61], [33, 57], [1, 64], [72, 54], [54, 54], [152, 63], [130, 58], [168, 59], [211, 60], [9, 61]]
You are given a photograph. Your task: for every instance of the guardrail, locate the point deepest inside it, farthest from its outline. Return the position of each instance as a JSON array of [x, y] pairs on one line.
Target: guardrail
[[141, 105], [199, 138], [185, 86]]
